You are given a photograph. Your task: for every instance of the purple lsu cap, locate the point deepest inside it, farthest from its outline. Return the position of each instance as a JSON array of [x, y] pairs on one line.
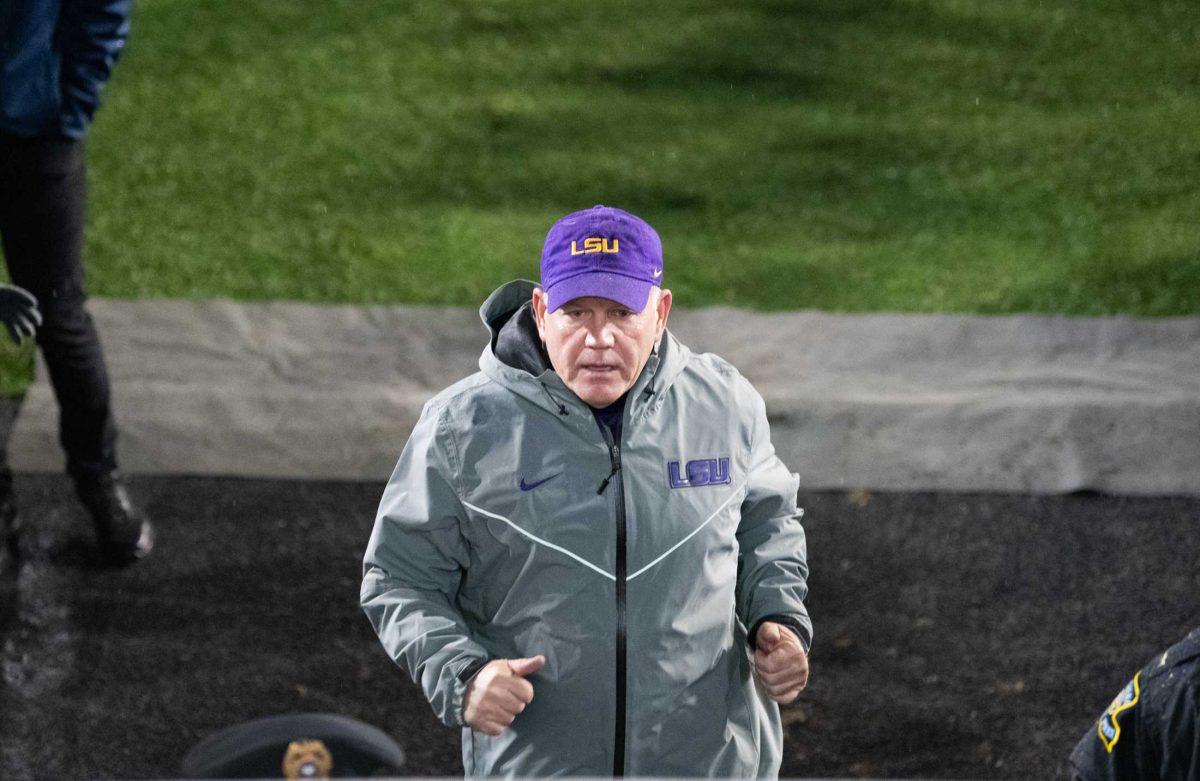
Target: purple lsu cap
[[601, 251]]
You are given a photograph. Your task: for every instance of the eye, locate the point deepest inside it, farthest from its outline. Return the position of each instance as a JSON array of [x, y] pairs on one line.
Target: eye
[[623, 313]]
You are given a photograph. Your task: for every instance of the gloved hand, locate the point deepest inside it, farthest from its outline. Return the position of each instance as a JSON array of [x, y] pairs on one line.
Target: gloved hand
[[19, 312]]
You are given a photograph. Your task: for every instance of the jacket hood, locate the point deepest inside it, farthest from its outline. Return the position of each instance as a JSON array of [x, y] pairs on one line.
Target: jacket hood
[[515, 358]]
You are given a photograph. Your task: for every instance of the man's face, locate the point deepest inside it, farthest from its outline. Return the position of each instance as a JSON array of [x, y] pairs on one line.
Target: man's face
[[598, 346]]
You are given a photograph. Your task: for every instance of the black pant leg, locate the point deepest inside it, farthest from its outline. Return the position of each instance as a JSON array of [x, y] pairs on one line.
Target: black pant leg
[[43, 194]]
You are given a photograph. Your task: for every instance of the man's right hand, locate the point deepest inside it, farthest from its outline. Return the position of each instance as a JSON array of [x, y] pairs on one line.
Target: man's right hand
[[498, 692]]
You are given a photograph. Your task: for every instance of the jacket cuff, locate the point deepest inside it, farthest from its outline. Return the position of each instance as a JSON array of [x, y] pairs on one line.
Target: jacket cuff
[[790, 622], [462, 679]]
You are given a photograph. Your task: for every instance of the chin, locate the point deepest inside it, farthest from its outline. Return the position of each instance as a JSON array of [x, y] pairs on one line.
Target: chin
[[601, 396]]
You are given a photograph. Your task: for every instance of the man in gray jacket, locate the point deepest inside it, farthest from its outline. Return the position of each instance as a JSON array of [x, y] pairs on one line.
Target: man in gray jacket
[[589, 555]]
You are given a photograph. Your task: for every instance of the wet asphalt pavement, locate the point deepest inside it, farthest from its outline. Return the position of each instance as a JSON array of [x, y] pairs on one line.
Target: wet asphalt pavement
[[970, 636]]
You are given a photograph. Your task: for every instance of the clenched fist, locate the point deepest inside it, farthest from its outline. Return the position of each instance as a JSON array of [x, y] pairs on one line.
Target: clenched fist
[[780, 663], [499, 692]]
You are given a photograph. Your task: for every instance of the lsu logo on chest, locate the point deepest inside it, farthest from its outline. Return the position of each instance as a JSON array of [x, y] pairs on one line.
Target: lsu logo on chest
[[701, 471], [595, 245]]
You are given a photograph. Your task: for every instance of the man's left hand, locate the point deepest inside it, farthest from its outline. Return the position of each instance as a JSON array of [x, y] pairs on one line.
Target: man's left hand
[[780, 663]]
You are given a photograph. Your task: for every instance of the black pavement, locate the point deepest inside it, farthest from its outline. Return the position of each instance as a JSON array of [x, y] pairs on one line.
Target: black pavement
[[957, 635]]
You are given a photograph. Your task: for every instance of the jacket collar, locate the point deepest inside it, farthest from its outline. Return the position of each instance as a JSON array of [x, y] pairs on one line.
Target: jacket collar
[[533, 379]]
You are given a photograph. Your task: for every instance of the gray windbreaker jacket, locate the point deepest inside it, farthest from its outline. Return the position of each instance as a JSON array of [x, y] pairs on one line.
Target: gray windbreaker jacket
[[498, 536]]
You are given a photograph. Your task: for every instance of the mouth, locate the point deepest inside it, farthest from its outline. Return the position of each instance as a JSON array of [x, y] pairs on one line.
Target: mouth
[[598, 368]]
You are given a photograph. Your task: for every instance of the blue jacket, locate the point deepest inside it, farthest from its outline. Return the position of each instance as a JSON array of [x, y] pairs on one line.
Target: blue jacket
[[55, 56]]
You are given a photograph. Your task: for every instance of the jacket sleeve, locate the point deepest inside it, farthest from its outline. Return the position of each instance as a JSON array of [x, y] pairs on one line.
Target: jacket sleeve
[[1115, 746], [1178, 731], [91, 35], [414, 562], [772, 559]]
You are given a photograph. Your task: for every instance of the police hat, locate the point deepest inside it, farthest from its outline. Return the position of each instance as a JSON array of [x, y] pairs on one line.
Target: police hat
[[302, 745]]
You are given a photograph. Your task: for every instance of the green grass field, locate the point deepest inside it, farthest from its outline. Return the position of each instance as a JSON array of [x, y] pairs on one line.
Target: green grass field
[[844, 154]]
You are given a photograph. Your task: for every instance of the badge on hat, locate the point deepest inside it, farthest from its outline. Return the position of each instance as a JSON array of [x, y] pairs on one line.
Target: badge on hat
[[307, 759]]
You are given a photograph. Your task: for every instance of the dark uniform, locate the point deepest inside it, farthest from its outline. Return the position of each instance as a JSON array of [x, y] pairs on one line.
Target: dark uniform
[[1152, 728]]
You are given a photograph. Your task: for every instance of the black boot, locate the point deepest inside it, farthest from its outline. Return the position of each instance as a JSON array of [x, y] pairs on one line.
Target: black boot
[[124, 534]]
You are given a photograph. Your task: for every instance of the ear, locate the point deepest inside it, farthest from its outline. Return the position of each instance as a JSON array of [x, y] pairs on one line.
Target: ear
[[664, 309], [538, 303]]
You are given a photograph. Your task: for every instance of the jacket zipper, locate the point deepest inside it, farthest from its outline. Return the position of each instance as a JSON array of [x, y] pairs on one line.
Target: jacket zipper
[[614, 454], [619, 737]]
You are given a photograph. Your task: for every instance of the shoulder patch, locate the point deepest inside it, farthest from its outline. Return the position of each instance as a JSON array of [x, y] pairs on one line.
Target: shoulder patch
[[1109, 726]]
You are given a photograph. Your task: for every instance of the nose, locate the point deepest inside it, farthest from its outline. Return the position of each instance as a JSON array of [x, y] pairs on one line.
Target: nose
[[599, 336]]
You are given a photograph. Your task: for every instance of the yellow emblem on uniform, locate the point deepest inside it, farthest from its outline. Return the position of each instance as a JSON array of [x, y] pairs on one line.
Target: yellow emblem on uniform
[[307, 759], [1109, 727], [594, 245]]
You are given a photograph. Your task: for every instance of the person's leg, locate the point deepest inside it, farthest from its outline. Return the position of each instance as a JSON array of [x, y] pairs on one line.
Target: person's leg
[[42, 235], [10, 406], [42, 232]]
